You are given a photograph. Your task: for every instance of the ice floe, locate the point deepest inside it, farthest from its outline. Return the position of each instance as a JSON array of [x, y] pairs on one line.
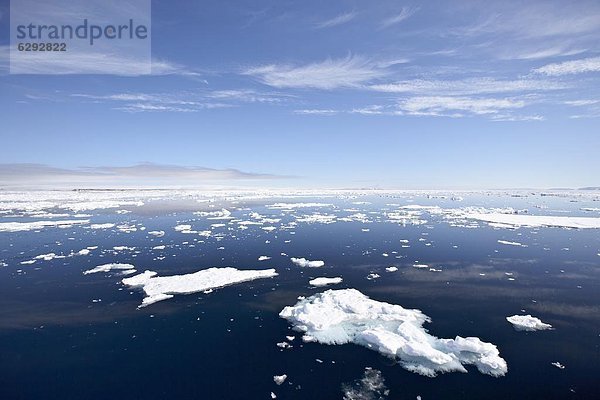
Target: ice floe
[[527, 323], [511, 243], [35, 225], [348, 316], [125, 268], [322, 281], [279, 379], [303, 262], [520, 220], [159, 288], [102, 226], [290, 206]]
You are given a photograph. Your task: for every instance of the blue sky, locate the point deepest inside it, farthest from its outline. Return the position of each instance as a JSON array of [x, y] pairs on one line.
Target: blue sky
[[388, 94]]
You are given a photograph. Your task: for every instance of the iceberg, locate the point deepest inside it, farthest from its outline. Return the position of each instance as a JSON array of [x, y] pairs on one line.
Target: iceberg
[[527, 323], [158, 288], [303, 262], [348, 316], [325, 281], [279, 379], [35, 225], [127, 268], [533, 221]]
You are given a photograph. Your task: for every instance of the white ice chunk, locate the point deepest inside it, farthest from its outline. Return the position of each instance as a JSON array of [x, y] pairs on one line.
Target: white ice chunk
[[303, 262], [35, 225], [325, 281], [527, 323], [518, 220], [162, 287], [279, 379], [109, 267], [102, 226], [511, 243], [348, 316]]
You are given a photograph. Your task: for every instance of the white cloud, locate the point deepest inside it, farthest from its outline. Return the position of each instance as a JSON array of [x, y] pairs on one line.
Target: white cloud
[[184, 101], [329, 74], [579, 103], [316, 111], [337, 20], [449, 106], [467, 86], [404, 14], [570, 67], [545, 52]]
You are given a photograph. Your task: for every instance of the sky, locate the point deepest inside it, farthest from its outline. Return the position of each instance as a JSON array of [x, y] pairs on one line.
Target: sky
[[336, 94]]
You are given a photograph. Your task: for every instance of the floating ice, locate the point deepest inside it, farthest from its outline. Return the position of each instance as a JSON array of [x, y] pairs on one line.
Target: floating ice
[[391, 269], [157, 233], [128, 268], [159, 288], [289, 206], [264, 258], [325, 281], [527, 323], [48, 257], [370, 386], [35, 225], [101, 204], [558, 365], [102, 226], [303, 262], [279, 379], [348, 316], [519, 220], [511, 243]]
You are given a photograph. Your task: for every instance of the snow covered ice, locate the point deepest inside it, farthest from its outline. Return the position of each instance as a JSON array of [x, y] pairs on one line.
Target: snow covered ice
[[348, 316], [322, 281], [303, 262], [158, 288], [527, 323]]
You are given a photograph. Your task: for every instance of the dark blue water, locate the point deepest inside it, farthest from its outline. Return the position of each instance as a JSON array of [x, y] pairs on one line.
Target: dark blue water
[[64, 335]]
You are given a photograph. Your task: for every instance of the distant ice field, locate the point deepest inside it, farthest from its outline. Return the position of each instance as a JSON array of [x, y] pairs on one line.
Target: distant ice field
[[215, 294]]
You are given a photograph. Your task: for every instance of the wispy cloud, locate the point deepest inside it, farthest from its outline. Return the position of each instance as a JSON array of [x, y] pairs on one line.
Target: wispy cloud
[[337, 20], [580, 103], [317, 111], [404, 14], [187, 101], [351, 71], [468, 86], [454, 106], [496, 109], [539, 53], [570, 67]]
